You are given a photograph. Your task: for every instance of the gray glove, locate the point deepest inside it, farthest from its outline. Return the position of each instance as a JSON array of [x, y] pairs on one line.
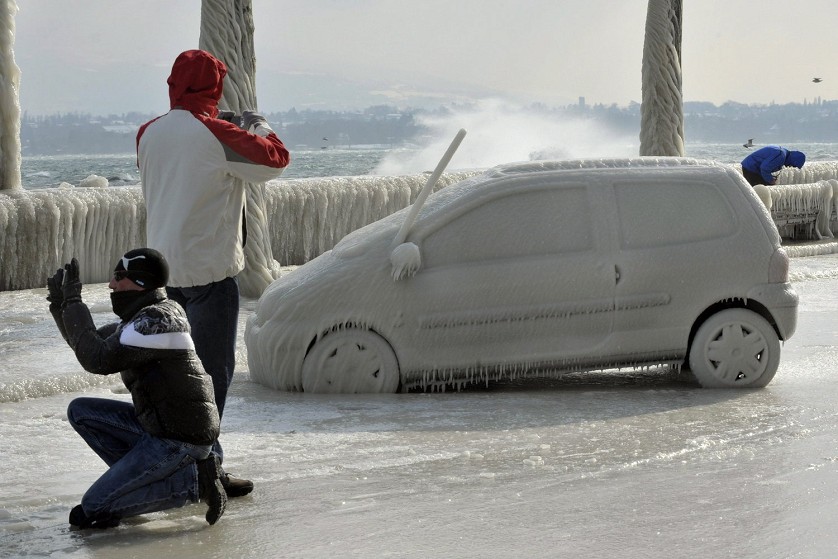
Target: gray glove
[[56, 295], [71, 286], [252, 119]]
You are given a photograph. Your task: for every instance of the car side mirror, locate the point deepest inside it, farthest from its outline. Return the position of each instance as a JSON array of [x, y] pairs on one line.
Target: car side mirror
[[406, 260]]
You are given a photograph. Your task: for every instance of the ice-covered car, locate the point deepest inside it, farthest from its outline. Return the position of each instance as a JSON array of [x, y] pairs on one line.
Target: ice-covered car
[[561, 265]]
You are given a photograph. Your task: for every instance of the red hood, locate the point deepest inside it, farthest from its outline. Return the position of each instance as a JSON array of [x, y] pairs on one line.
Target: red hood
[[196, 82]]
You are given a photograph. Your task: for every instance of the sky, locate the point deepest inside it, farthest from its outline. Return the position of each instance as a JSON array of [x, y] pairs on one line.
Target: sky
[[113, 56]]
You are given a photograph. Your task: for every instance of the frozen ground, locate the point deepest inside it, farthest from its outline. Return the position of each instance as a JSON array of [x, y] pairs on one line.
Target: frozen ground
[[630, 465]]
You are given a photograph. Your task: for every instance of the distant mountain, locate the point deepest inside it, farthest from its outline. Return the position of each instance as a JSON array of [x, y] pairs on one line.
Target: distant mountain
[[79, 133]]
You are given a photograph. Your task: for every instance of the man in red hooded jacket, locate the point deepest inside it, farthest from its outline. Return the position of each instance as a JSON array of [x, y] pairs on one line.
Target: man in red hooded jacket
[[189, 159]]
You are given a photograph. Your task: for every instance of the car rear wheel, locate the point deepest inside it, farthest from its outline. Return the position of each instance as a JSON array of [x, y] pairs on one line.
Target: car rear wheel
[[351, 361], [735, 348]]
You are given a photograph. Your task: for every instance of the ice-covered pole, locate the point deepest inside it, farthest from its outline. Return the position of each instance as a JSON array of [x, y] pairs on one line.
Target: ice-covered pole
[[227, 32], [9, 101], [662, 110]]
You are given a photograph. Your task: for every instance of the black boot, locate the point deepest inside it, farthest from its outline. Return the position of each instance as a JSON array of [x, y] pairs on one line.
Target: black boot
[[235, 487], [210, 490], [80, 520]]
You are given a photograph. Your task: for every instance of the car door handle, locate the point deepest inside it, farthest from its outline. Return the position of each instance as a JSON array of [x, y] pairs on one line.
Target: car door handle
[[616, 274]]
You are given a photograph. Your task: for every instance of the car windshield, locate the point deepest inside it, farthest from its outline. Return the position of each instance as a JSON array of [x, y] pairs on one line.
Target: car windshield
[[389, 225]]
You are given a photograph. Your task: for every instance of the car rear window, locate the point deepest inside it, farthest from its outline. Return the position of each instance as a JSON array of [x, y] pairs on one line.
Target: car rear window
[[657, 213]]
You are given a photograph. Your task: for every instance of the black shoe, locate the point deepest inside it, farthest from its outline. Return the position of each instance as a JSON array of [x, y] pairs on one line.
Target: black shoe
[[80, 520], [235, 487], [210, 490]]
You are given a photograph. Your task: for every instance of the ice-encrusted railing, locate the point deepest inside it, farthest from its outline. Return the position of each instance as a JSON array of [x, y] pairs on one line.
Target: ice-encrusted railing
[[42, 229], [802, 210], [803, 202]]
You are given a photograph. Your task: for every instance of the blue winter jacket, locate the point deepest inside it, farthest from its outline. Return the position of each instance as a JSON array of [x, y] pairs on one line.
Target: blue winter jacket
[[766, 161]]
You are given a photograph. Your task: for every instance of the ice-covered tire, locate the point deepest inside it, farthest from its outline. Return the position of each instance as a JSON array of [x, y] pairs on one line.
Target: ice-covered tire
[[351, 361], [735, 348]]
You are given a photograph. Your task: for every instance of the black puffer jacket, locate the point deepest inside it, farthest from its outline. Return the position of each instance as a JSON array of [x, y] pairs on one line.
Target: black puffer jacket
[[172, 394]]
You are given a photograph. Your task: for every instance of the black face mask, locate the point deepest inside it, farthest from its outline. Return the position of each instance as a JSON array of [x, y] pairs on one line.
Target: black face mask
[[127, 303]]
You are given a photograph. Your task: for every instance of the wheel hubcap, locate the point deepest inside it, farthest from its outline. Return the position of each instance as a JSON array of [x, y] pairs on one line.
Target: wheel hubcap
[[736, 353]]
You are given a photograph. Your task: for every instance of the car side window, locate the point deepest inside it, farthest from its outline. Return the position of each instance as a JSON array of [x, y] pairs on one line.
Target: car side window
[[549, 221], [668, 213]]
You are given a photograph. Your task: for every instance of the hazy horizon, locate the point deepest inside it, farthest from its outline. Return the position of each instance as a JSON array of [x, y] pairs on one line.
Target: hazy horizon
[[464, 105]]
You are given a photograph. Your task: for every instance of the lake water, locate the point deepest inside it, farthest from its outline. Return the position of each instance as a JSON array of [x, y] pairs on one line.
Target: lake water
[[51, 170], [44, 171]]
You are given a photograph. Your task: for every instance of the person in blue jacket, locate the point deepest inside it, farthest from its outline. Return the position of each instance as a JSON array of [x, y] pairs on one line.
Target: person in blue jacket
[[760, 166]]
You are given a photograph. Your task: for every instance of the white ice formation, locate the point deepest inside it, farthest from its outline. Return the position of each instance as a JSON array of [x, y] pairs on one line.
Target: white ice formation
[[405, 259], [804, 202], [808, 205], [812, 171], [662, 113], [93, 181], [9, 103], [42, 229]]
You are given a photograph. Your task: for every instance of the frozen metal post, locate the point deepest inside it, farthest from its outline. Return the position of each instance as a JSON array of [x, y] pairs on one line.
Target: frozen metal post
[[662, 109], [9, 101]]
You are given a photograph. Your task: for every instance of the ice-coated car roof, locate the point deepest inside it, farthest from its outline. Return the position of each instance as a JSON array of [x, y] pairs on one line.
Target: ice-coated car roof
[[575, 164]]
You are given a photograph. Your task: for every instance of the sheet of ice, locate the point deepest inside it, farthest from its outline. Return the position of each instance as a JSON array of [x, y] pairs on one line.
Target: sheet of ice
[[645, 466]]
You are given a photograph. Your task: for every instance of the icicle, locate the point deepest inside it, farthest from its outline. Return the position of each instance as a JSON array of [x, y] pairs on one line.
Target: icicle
[[808, 205]]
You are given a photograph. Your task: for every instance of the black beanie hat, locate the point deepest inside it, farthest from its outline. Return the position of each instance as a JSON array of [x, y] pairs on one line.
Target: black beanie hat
[[144, 266]]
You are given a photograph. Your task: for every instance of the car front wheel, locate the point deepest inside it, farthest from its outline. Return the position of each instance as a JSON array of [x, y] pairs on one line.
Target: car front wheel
[[735, 348], [351, 361]]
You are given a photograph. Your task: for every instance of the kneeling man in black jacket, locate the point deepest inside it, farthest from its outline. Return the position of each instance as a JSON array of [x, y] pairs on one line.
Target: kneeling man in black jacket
[[157, 448]]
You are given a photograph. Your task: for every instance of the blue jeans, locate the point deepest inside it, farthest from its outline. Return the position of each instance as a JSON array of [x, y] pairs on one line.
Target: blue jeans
[[146, 473], [213, 313]]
